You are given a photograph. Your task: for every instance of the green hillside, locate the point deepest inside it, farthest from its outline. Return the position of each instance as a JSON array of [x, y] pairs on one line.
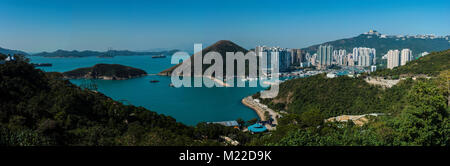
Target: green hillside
[[112, 71], [38, 108], [336, 96], [413, 112], [430, 65]]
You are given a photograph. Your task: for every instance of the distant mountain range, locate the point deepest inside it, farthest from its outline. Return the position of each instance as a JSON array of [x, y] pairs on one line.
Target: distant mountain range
[[8, 51], [372, 39], [383, 43], [110, 53], [88, 53]]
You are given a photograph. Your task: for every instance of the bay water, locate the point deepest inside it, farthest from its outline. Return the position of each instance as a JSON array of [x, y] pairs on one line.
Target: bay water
[[188, 105]]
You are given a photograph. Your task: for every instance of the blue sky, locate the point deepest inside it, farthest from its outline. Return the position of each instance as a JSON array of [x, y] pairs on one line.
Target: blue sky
[[47, 25]]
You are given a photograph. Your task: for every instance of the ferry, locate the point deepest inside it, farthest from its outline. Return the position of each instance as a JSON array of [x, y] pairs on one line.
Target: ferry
[[42, 64], [106, 56], [159, 56]]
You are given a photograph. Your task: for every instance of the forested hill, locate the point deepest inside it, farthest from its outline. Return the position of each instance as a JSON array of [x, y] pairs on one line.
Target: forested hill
[[11, 52], [105, 71], [38, 108], [333, 97], [413, 112], [430, 65], [384, 44]]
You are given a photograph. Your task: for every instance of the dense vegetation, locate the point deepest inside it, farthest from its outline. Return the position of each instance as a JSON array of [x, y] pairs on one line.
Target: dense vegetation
[[416, 113], [38, 108], [331, 96], [114, 71], [430, 65]]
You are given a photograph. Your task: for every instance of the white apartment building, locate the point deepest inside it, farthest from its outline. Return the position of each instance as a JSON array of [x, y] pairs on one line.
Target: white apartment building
[[406, 56], [364, 56], [393, 59]]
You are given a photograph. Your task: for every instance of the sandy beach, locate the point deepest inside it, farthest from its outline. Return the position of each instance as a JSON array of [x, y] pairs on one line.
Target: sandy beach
[[260, 110]]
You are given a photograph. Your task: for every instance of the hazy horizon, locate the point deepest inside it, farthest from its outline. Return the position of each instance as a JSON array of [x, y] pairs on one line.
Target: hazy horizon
[[35, 26]]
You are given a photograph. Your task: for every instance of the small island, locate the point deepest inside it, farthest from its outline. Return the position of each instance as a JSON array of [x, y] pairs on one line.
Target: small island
[[105, 72]]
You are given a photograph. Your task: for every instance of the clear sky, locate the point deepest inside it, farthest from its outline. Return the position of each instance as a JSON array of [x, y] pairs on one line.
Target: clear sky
[[47, 25]]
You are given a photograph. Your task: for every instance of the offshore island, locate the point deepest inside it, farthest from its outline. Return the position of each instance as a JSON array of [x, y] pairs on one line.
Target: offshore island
[[105, 72]]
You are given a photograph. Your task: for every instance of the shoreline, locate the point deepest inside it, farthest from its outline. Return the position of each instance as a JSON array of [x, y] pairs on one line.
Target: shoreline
[[224, 84], [260, 111]]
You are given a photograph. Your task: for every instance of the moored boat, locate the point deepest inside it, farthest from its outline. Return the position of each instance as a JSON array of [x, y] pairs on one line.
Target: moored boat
[[154, 81], [159, 56]]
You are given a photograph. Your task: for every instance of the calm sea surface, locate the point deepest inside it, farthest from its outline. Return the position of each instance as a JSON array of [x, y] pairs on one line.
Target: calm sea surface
[[187, 105]]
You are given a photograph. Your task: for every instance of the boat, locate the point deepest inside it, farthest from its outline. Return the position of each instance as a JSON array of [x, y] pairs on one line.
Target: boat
[[159, 56], [42, 64], [154, 81], [106, 56], [171, 85]]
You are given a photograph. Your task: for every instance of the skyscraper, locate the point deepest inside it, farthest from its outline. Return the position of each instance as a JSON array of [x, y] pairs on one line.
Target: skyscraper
[[296, 56], [284, 59], [341, 57], [324, 54], [374, 56], [406, 56], [393, 59], [281, 55], [364, 56], [350, 61]]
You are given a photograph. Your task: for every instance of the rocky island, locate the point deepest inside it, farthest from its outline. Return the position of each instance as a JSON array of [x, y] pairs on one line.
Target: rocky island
[[105, 72]]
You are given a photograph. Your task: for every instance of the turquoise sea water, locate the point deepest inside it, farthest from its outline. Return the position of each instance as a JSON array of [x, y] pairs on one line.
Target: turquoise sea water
[[187, 105]]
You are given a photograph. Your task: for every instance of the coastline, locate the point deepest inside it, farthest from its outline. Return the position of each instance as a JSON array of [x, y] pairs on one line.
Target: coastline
[[260, 110], [247, 101], [224, 84]]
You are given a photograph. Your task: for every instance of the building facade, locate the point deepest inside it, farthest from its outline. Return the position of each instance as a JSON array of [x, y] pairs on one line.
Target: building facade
[[364, 56], [406, 56], [324, 55], [393, 59], [282, 56]]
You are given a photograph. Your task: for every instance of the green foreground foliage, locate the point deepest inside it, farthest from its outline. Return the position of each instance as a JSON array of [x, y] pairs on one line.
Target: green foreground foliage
[[38, 108], [415, 112]]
